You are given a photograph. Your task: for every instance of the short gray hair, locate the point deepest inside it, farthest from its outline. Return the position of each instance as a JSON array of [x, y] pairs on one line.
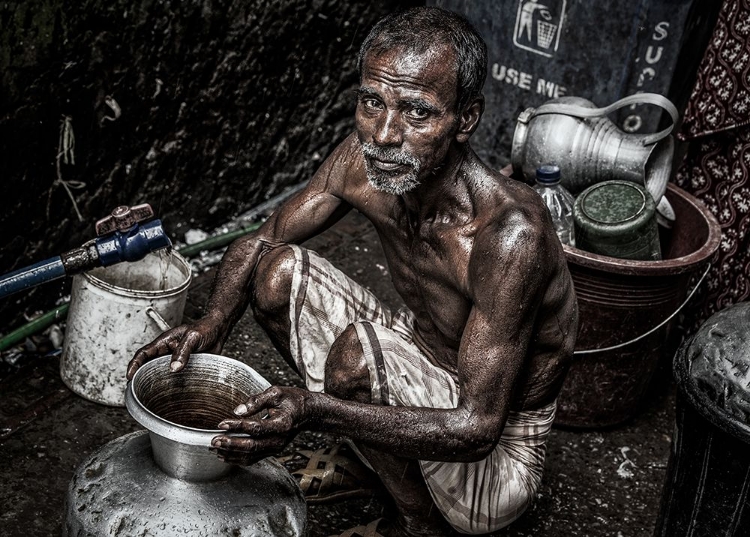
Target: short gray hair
[[420, 29]]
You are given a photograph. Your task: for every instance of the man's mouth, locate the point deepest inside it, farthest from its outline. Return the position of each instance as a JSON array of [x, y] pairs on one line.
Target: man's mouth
[[386, 165], [391, 170]]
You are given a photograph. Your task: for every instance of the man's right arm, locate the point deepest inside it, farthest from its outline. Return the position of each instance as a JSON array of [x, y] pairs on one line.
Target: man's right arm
[[318, 206]]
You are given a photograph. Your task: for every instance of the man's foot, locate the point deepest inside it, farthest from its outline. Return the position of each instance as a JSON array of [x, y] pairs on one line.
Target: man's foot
[[331, 474]]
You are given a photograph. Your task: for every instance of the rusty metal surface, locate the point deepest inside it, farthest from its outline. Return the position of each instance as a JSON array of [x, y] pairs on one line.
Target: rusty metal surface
[[122, 218], [80, 259]]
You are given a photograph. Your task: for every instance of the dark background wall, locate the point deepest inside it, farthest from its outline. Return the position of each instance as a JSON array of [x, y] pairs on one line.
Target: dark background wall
[[221, 104]]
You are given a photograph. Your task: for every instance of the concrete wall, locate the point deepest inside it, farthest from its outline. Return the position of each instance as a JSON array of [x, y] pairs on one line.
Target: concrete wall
[[221, 104]]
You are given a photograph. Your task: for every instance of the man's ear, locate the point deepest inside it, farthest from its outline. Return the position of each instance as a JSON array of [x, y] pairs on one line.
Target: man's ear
[[469, 120]]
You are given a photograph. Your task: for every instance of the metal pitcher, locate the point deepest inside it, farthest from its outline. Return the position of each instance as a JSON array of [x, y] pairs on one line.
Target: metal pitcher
[[588, 147]]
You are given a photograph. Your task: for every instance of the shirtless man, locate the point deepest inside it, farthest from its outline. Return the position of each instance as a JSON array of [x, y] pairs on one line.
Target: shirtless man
[[450, 399]]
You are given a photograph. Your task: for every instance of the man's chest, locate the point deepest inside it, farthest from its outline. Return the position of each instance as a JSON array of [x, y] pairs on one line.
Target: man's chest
[[429, 268]]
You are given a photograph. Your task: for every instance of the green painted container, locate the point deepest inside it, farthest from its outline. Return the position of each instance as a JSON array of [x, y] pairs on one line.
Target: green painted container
[[617, 219]]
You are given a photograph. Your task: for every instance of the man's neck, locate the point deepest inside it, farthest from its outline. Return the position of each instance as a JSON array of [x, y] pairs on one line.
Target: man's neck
[[444, 194]]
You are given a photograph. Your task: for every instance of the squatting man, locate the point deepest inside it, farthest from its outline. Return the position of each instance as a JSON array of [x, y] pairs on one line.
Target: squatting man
[[449, 399]]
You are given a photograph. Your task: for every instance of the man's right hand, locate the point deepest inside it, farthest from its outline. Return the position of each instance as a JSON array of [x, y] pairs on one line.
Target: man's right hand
[[203, 335]]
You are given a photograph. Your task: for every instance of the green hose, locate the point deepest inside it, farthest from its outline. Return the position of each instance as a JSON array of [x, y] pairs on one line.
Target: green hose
[[219, 241], [60, 312], [38, 324]]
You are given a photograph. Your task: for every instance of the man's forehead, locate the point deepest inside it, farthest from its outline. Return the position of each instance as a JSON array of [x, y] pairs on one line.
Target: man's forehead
[[434, 66], [440, 58]]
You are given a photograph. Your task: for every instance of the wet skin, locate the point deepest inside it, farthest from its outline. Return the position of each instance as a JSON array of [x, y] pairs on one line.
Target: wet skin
[[472, 253]]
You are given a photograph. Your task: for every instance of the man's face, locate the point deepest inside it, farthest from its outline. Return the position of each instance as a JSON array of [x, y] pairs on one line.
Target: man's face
[[406, 115]]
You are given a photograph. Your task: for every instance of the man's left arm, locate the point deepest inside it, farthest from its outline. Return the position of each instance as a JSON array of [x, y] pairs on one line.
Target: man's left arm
[[508, 277]]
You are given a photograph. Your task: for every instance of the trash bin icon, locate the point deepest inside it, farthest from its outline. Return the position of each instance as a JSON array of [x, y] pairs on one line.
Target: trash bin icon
[[545, 33], [707, 488]]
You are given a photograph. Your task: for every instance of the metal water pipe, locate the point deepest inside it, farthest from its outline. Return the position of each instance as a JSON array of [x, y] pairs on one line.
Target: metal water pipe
[[128, 234]]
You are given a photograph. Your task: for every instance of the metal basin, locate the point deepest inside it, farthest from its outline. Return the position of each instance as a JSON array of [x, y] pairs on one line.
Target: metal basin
[[182, 410]]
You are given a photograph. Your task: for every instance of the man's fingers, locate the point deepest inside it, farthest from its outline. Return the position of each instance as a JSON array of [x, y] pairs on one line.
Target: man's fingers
[[180, 342], [240, 450], [185, 347], [257, 403], [237, 444], [225, 441], [158, 347], [138, 360], [231, 425], [255, 427]]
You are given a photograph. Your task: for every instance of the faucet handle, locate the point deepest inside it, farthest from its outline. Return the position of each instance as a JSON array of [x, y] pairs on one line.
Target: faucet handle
[[123, 218]]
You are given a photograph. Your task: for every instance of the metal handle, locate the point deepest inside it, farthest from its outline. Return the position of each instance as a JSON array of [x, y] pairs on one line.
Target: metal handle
[[123, 218], [638, 98], [158, 319], [655, 328]]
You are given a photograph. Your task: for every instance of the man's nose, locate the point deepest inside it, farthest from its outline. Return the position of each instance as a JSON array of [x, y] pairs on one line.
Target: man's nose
[[388, 129]]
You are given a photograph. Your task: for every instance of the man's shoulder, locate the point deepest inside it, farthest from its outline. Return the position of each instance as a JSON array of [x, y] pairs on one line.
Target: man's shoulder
[[347, 155], [514, 222], [507, 205], [506, 190], [343, 171]]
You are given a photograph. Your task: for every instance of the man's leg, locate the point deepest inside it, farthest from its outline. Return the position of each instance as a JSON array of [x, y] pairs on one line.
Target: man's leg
[[347, 377], [304, 303], [271, 289]]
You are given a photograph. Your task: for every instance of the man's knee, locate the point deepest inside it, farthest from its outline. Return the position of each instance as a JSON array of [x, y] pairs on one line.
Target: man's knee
[[272, 281], [346, 373]]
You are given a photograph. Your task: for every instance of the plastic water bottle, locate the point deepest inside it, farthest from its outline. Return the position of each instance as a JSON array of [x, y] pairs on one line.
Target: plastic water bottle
[[558, 200]]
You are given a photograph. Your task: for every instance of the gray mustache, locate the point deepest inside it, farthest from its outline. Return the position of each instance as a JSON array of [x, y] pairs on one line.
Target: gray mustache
[[390, 154]]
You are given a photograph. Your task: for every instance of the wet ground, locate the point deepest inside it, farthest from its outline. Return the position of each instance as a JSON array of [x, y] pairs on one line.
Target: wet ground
[[596, 483]]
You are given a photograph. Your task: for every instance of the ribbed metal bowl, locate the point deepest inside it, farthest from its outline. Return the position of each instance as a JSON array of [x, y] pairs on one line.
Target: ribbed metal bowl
[[182, 410]]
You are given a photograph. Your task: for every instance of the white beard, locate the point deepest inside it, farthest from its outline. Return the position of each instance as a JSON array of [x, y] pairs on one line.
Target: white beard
[[391, 183]]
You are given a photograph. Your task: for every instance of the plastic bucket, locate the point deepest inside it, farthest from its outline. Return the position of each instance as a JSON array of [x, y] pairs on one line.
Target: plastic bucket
[[622, 299], [113, 311]]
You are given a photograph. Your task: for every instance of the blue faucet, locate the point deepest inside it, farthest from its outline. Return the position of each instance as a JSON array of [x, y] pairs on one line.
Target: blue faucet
[[120, 237]]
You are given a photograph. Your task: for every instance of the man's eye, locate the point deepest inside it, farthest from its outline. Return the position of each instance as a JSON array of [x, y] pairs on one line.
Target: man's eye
[[373, 104], [418, 113]]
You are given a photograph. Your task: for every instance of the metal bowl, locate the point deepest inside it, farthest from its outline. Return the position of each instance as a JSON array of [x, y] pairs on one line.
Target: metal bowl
[[182, 410]]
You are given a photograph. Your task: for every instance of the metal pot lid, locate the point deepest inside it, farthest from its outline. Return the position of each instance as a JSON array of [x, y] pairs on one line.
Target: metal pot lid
[[613, 202], [712, 370], [613, 209]]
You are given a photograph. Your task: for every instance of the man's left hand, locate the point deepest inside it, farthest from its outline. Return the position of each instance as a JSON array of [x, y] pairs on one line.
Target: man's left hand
[[284, 409]]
